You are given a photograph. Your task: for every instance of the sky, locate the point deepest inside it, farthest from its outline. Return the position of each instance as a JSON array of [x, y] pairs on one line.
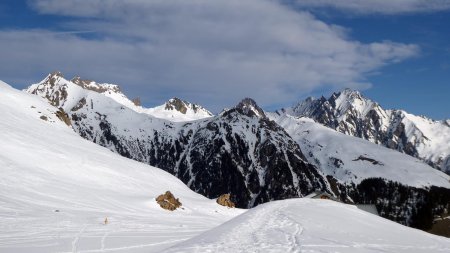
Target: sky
[[216, 52]]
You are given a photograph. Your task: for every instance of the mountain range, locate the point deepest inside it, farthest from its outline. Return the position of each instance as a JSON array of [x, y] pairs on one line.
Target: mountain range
[[61, 193], [351, 113], [260, 156]]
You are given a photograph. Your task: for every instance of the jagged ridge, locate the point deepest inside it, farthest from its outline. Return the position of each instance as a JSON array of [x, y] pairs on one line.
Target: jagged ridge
[[351, 113]]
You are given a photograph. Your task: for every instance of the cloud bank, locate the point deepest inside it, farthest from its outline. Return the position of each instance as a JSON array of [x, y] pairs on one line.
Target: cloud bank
[[379, 6], [212, 52]]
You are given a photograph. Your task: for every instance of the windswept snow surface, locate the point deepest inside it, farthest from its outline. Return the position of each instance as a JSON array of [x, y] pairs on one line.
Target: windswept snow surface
[[56, 189], [352, 159], [312, 225]]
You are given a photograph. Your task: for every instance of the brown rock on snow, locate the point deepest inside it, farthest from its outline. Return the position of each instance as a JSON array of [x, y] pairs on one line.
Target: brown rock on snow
[[168, 201], [225, 200]]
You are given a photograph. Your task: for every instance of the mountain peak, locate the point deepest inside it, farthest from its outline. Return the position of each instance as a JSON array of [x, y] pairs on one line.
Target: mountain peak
[[349, 93], [249, 107], [177, 104], [56, 74]]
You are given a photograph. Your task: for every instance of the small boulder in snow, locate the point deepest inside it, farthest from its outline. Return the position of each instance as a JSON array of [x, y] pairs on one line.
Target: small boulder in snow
[[168, 201], [225, 200]]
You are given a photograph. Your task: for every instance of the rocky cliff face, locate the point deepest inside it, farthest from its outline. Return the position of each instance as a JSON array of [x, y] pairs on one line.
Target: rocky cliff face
[[351, 113]]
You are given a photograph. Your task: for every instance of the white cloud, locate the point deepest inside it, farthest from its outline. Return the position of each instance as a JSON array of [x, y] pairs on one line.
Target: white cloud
[[212, 52], [379, 6]]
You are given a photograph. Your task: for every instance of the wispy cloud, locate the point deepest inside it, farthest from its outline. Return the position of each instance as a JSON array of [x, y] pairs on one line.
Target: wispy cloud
[[378, 6], [213, 52]]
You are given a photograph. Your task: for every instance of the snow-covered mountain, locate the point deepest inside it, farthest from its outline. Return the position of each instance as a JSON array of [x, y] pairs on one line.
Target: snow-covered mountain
[[56, 189], [57, 89], [351, 159], [243, 152], [351, 113], [239, 151]]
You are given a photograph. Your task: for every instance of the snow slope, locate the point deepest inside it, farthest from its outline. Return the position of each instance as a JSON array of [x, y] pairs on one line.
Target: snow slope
[[312, 225], [56, 189], [352, 159]]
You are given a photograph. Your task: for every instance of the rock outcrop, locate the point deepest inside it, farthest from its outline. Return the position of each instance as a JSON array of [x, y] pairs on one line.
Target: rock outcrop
[[225, 200], [168, 201]]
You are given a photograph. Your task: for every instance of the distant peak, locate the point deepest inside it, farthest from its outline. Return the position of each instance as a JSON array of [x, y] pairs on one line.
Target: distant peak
[[347, 92], [249, 107], [56, 74], [183, 106], [52, 79], [177, 105], [176, 100]]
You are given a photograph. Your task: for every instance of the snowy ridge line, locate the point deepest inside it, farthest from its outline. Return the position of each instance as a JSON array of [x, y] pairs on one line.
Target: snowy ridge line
[[61, 91], [351, 113]]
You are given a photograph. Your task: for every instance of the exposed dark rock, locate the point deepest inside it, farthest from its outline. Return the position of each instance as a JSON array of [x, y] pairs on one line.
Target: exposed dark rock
[[63, 116], [177, 105], [136, 101], [371, 160]]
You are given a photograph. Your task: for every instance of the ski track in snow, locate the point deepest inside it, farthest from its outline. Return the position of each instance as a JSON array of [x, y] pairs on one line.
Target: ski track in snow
[[77, 238], [103, 240]]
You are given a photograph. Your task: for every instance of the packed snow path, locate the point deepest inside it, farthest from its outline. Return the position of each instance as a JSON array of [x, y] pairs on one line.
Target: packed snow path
[[312, 225]]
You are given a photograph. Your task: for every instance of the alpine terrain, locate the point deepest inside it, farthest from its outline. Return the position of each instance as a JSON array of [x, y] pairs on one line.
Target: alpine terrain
[[255, 155], [60, 193]]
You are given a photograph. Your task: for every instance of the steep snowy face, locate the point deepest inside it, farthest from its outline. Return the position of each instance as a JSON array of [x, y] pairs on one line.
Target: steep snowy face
[[351, 159], [179, 110], [350, 113]]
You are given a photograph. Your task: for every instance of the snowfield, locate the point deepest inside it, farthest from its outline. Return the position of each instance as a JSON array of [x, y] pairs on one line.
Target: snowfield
[[312, 225], [56, 189]]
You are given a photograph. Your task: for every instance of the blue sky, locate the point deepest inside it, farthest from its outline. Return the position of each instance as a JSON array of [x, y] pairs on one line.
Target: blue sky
[[217, 52]]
